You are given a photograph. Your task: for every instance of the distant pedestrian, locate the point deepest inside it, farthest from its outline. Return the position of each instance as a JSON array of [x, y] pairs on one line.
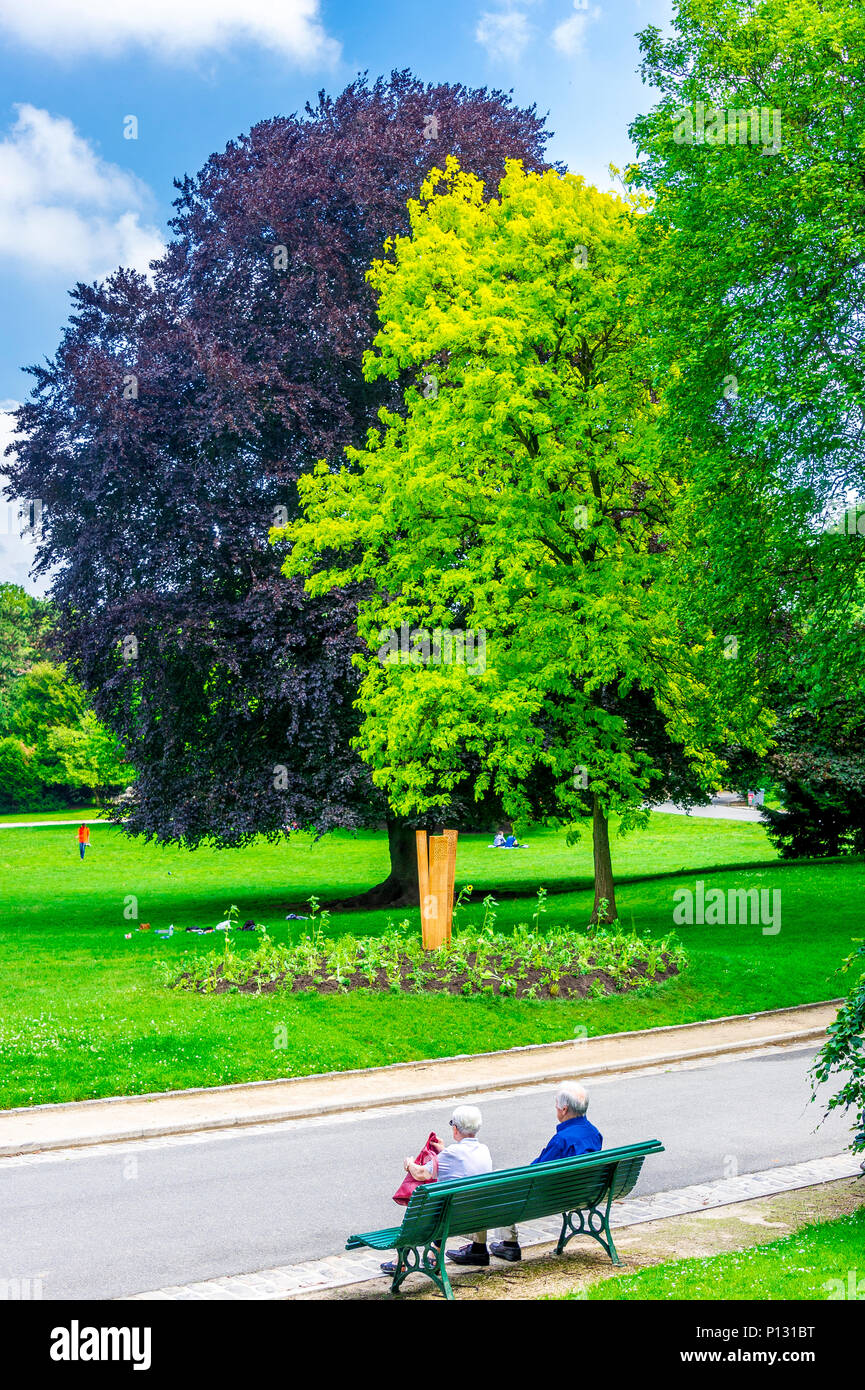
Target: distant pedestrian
[[83, 837]]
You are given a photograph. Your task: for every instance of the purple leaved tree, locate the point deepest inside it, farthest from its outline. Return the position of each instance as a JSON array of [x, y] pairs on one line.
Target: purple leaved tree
[[165, 438]]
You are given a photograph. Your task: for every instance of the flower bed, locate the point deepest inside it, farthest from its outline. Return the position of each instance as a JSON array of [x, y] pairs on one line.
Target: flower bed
[[560, 963]]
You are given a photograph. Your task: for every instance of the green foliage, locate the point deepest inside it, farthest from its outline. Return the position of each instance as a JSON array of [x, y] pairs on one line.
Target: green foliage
[[517, 963], [541, 907], [43, 698], [755, 303], [843, 1052], [87, 756], [19, 783], [67, 754], [24, 623], [526, 500], [818, 767]]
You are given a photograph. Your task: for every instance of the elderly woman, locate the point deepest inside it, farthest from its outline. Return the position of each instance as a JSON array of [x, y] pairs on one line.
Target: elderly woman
[[466, 1157]]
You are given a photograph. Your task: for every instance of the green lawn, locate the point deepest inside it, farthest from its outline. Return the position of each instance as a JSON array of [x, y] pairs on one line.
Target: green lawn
[[83, 1015], [815, 1262]]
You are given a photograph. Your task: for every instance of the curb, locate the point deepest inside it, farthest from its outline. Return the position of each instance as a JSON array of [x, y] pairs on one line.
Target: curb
[[421, 1062], [450, 1087]]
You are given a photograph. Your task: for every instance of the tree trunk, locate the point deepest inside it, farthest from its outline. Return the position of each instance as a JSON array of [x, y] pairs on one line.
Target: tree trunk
[[605, 888], [400, 888]]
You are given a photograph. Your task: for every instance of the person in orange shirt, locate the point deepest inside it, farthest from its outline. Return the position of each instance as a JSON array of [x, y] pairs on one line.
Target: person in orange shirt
[[83, 837]]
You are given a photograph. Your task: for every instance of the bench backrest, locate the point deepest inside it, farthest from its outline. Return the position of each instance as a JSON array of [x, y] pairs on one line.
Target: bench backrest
[[524, 1194]]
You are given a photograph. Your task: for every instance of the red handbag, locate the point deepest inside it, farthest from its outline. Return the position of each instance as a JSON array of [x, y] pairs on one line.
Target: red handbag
[[408, 1184]]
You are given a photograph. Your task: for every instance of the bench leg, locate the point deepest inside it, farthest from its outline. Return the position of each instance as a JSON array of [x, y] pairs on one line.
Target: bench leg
[[402, 1269], [443, 1281], [429, 1261], [592, 1222]]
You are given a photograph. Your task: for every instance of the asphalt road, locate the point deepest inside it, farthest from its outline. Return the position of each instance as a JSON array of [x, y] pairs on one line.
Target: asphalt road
[[134, 1217]]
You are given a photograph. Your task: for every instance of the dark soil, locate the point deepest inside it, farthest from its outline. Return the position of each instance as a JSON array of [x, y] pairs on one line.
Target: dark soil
[[442, 980]]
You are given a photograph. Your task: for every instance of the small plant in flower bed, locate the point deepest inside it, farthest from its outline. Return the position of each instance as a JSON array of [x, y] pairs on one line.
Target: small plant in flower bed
[[560, 963]]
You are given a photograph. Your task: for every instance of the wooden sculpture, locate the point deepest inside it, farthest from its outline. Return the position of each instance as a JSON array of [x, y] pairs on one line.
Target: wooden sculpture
[[436, 869]]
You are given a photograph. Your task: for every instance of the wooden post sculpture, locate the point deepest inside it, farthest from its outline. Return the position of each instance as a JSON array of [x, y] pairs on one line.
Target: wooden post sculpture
[[436, 869]]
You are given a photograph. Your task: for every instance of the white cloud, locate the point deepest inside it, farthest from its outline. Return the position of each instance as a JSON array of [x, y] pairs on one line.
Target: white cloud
[[17, 552], [569, 36], [66, 211], [503, 34], [174, 28]]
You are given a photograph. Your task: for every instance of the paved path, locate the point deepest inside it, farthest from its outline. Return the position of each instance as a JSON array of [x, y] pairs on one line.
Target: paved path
[[715, 811], [174, 1112], [116, 1220], [38, 824]]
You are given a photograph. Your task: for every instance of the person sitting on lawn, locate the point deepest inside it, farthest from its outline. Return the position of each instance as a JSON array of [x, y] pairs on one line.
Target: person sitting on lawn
[[498, 842], [574, 1135], [466, 1157]]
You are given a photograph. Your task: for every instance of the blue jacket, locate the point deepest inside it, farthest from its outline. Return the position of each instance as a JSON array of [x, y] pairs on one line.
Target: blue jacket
[[572, 1137]]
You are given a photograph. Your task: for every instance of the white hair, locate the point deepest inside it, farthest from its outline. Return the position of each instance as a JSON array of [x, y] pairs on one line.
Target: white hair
[[467, 1119], [573, 1098]]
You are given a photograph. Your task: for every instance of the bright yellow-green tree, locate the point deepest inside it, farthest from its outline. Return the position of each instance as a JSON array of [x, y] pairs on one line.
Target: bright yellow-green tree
[[513, 523]]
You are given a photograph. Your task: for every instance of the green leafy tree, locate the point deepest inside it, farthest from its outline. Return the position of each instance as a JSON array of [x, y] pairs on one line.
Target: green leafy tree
[[754, 156], [818, 766], [24, 624], [514, 523], [20, 785], [88, 756], [66, 751], [42, 698]]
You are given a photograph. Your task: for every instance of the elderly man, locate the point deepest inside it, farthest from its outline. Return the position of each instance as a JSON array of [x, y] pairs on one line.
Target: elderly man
[[574, 1135], [466, 1157]]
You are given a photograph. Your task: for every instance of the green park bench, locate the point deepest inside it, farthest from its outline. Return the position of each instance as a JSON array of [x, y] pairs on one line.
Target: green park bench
[[581, 1190]]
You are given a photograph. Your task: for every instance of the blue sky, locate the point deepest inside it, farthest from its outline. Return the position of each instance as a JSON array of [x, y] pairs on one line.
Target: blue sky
[[78, 197]]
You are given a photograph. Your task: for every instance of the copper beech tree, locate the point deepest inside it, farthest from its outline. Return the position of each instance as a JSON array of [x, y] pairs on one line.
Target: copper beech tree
[[167, 435]]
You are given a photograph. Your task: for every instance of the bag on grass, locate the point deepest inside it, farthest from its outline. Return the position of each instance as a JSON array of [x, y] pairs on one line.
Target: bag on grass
[[408, 1184]]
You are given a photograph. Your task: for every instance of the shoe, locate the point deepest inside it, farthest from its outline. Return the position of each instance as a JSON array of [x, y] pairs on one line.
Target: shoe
[[506, 1250], [469, 1255], [389, 1267]]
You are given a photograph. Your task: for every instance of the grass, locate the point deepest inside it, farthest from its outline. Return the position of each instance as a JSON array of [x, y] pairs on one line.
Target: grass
[[83, 1013], [815, 1262]]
